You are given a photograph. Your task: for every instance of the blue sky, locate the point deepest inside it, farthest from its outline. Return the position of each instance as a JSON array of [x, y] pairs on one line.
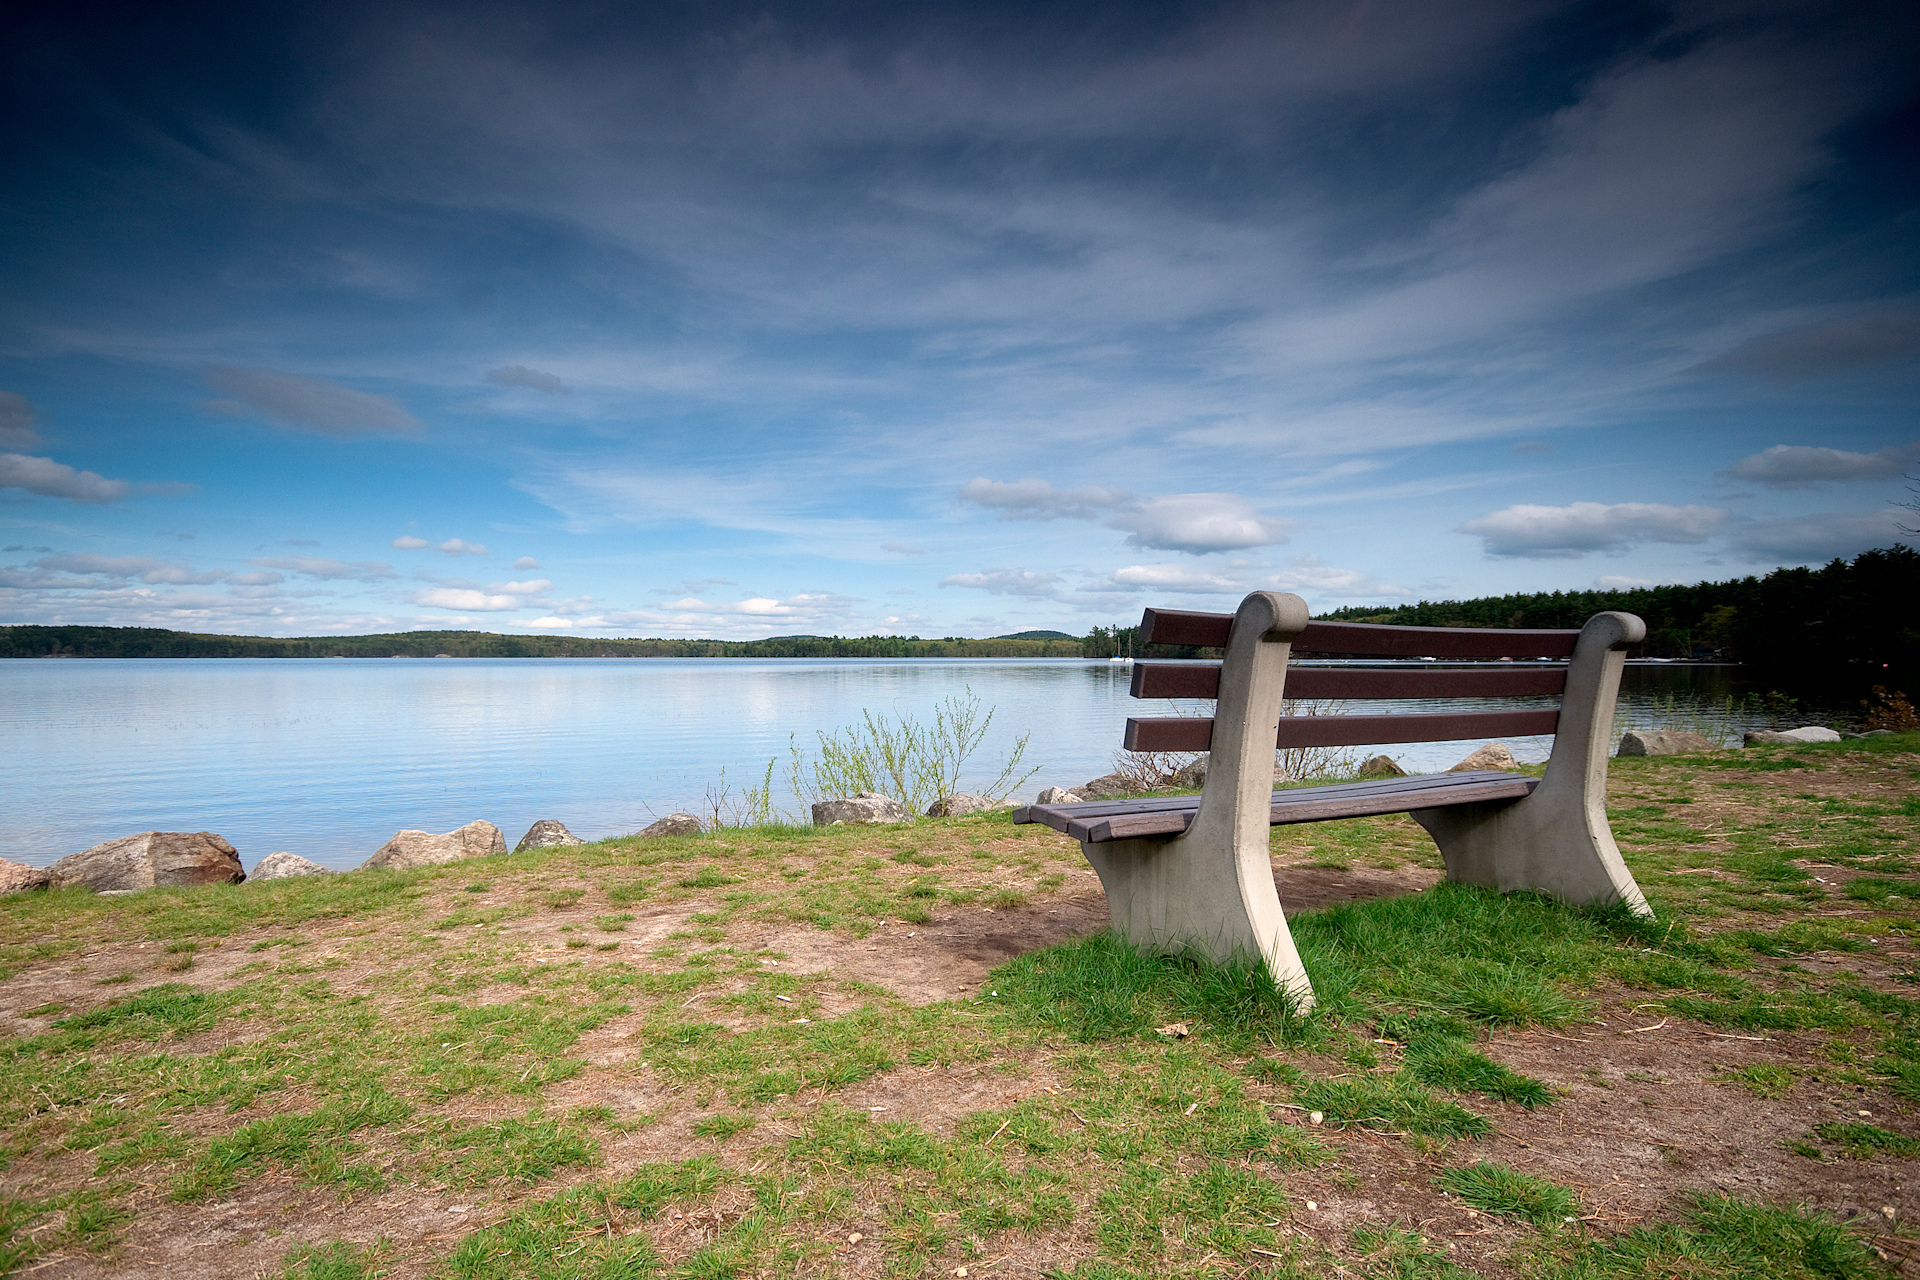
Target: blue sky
[[737, 320]]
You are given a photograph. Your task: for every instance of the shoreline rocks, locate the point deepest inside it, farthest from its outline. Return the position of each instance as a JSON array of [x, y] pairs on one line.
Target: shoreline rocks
[[861, 807], [961, 803], [674, 824], [1494, 755], [1382, 767], [410, 849], [1789, 737], [285, 866], [151, 860], [1663, 742], [18, 877], [548, 833]]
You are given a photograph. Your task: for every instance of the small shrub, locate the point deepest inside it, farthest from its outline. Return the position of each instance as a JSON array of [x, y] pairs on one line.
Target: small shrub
[[1889, 711]]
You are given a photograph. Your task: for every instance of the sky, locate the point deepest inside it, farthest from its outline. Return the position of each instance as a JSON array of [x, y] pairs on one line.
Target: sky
[[736, 320]]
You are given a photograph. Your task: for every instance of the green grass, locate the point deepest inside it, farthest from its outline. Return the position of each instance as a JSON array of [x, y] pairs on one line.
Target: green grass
[[1496, 1188], [400, 1036]]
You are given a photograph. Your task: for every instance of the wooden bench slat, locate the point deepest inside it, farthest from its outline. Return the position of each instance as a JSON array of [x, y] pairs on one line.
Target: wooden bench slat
[[1180, 626], [1202, 680], [1185, 733], [1100, 821]]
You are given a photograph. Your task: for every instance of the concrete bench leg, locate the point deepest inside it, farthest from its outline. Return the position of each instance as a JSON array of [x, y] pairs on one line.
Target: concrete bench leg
[[1556, 840], [1184, 894], [1211, 890]]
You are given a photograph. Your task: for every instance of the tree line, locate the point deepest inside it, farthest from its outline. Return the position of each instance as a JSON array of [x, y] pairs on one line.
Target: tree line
[[153, 642]]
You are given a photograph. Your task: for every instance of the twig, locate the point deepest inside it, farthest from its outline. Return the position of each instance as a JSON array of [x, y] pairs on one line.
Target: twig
[[1655, 1027], [997, 1132]]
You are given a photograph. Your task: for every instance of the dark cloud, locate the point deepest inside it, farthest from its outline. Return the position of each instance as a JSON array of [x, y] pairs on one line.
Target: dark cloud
[[310, 404], [1816, 538], [1832, 346], [518, 375], [53, 479], [16, 422], [1799, 466], [1564, 533]]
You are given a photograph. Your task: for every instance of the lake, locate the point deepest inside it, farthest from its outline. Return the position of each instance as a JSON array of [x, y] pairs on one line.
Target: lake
[[328, 758]]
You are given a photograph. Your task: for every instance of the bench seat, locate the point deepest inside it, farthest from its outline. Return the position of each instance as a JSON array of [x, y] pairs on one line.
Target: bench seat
[[1098, 821]]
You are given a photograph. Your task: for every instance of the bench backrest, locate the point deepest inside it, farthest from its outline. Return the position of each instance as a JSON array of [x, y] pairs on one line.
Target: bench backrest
[[1196, 680]]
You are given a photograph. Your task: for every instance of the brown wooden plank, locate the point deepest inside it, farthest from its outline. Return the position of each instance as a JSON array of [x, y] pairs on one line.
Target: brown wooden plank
[[1202, 680], [1180, 626], [1304, 804], [1181, 733], [1372, 639]]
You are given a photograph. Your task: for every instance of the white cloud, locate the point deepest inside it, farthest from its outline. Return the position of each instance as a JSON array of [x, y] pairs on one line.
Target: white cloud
[[533, 588], [1801, 466], [1198, 523], [518, 375], [407, 542], [314, 567], [145, 568], [1818, 537], [1553, 533], [1617, 582], [265, 578], [550, 622], [53, 479], [460, 547], [16, 422], [526, 562], [1009, 582], [1173, 577], [466, 600], [290, 400]]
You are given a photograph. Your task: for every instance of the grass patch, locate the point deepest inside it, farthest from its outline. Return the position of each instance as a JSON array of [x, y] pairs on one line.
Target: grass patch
[[1495, 1188]]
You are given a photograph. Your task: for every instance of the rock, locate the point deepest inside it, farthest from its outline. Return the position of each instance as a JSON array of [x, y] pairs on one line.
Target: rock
[[17, 877], [284, 866], [1106, 787], [1788, 738], [1194, 776], [546, 834], [1878, 733], [152, 859], [1492, 756], [961, 803], [1382, 767], [1060, 795], [674, 824], [862, 806], [410, 849], [1663, 742]]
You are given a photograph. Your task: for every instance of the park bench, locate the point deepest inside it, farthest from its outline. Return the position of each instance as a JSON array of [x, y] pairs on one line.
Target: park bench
[[1192, 872]]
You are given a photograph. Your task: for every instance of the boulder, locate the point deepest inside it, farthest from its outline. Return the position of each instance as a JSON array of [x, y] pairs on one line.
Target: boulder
[[284, 866], [1106, 787], [1059, 795], [961, 803], [862, 806], [16, 877], [410, 849], [1663, 742], [1382, 767], [1194, 776], [546, 834], [1492, 756], [674, 824], [152, 859], [1789, 737]]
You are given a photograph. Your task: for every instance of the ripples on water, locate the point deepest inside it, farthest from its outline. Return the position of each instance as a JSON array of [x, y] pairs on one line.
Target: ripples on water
[[328, 758]]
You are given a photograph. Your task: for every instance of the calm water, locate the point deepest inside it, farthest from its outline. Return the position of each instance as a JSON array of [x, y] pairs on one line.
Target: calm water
[[329, 758]]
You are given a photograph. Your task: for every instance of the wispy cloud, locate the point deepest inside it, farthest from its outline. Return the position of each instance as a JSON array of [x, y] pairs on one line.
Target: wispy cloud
[[1199, 523], [310, 404], [518, 375], [1558, 533], [1824, 347], [16, 422], [315, 567]]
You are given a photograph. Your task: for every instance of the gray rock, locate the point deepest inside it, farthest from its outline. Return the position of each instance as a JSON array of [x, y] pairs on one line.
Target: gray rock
[[861, 807], [410, 849], [152, 859], [1663, 742], [674, 824], [546, 834], [1492, 756], [1060, 795], [961, 803], [284, 866], [1878, 733], [17, 877], [1106, 787], [1194, 776], [1382, 767], [1788, 738]]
